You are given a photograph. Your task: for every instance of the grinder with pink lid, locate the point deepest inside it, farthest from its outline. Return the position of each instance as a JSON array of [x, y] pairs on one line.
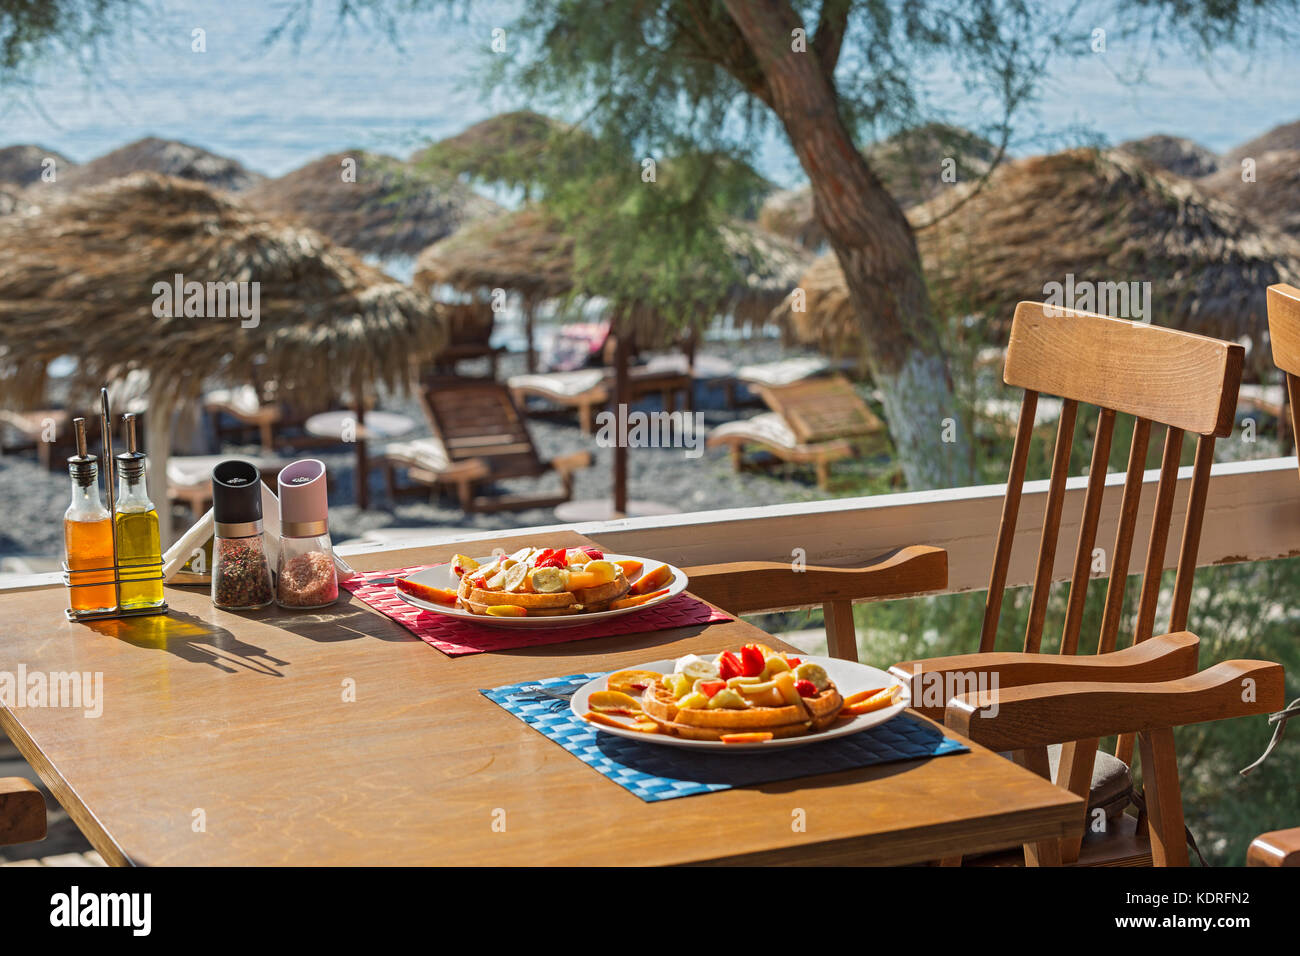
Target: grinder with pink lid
[[306, 575]]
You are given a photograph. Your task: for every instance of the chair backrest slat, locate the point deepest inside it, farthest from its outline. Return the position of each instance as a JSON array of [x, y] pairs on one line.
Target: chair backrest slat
[[1128, 512], [1159, 541], [1160, 376], [1192, 533], [1051, 525], [1007, 527], [1088, 532]]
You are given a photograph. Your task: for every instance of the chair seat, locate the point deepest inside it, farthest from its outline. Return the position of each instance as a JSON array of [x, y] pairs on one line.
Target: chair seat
[[1112, 781]]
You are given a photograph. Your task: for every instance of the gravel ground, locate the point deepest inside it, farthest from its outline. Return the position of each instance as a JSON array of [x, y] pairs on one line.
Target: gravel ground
[[33, 500]]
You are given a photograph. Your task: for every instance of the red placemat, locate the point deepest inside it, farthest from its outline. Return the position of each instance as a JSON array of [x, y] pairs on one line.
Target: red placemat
[[454, 636]]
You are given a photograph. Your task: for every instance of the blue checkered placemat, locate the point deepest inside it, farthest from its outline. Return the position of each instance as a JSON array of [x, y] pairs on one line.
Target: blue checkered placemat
[[654, 772]]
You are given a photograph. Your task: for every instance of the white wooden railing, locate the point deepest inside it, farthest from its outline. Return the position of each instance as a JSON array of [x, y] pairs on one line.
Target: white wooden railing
[[1253, 514]]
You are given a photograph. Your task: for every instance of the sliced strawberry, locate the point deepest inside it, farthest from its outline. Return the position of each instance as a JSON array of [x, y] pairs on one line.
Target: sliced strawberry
[[806, 688], [794, 662], [594, 553], [729, 666], [752, 660], [711, 687]]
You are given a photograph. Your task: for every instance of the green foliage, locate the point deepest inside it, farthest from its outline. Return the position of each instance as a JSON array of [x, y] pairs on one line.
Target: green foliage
[[31, 30]]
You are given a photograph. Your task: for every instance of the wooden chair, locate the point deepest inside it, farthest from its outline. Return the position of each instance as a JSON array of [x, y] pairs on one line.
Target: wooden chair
[[816, 421], [1025, 720], [1188, 383], [1278, 848], [22, 811], [752, 587], [485, 440], [1284, 338], [1282, 847]]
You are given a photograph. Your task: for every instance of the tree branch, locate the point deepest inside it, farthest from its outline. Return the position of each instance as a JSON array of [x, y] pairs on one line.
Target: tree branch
[[832, 24]]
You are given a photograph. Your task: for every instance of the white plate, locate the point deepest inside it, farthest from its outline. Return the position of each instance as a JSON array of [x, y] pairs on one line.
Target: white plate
[[442, 577], [849, 677]]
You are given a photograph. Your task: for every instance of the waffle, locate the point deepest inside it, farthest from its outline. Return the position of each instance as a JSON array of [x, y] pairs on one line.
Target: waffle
[[810, 715], [584, 600]]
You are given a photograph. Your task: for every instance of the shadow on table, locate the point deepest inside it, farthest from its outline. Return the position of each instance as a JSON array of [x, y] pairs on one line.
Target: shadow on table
[[192, 639], [347, 620]]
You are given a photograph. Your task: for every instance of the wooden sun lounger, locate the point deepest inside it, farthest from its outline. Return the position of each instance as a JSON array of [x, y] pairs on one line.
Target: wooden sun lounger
[[589, 389], [480, 438], [244, 406], [812, 422], [584, 390]]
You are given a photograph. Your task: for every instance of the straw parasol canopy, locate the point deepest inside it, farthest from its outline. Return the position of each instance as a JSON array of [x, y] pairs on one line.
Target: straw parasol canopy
[[527, 252], [24, 164], [911, 165], [371, 202], [1173, 154], [12, 202], [169, 157], [1272, 198], [489, 149], [1286, 136], [89, 275], [1103, 218], [79, 279]]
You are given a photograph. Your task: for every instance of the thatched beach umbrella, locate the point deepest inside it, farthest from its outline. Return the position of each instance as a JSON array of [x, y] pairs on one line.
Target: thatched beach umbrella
[[527, 252], [1101, 218], [371, 202], [1271, 196], [492, 149], [1286, 136], [166, 156], [1173, 154], [523, 252], [93, 276], [25, 164], [12, 202]]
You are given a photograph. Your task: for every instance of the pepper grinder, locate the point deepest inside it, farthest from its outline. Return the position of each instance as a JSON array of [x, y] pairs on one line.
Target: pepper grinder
[[305, 576], [241, 575]]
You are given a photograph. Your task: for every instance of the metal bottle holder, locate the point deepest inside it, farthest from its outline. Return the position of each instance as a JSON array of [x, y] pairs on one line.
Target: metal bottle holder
[[136, 569]]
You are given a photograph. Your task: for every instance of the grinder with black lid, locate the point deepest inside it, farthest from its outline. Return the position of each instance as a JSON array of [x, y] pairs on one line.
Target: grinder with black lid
[[241, 574]]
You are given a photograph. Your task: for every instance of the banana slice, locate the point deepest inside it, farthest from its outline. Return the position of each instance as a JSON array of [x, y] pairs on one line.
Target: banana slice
[[514, 577]]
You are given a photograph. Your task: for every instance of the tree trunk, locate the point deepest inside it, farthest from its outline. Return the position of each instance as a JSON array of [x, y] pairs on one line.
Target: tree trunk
[[620, 405], [877, 252]]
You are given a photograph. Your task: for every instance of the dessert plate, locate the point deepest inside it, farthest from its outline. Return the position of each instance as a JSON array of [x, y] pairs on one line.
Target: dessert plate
[[849, 677], [442, 576]]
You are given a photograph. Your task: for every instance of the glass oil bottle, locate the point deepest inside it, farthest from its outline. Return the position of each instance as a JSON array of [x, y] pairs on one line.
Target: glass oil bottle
[[88, 535], [139, 550]]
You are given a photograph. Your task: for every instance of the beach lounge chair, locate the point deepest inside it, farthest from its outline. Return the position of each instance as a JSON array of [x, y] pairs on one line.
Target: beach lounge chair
[[36, 428], [815, 421], [479, 438], [189, 477], [245, 406], [469, 334], [584, 390], [1187, 383]]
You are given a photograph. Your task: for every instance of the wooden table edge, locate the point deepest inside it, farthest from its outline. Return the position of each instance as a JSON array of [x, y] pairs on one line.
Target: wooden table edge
[[81, 815]]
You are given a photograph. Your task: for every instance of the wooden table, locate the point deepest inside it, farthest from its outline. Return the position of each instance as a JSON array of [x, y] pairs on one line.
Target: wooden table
[[229, 739]]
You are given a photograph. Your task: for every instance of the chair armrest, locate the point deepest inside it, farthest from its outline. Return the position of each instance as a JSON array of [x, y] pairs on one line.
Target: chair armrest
[[22, 811], [1278, 848], [935, 681], [746, 587], [568, 464], [1040, 714]]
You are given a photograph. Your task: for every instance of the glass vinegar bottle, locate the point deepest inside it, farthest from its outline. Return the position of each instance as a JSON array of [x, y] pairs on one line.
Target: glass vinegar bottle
[[88, 535], [139, 550]]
